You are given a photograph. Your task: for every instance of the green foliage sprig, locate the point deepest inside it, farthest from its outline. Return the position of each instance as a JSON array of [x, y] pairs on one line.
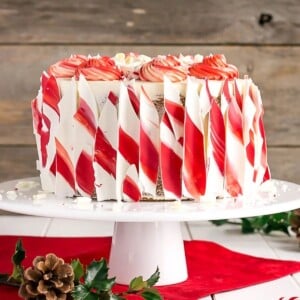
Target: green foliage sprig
[[97, 285], [92, 283], [266, 224]]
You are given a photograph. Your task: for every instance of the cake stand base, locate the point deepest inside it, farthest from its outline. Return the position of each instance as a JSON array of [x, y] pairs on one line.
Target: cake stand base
[[138, 248]]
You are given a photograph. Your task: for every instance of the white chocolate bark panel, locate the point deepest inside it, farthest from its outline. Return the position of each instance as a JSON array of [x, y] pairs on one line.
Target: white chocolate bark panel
[[204, 137]]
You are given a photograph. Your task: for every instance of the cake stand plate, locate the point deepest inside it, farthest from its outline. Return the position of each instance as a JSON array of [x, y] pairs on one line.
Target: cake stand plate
[[147, 234]]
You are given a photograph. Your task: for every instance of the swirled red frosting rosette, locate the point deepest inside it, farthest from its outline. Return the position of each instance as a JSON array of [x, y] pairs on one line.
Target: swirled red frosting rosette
[[214, 67], [101, 68], [66, 68], [161, 66]]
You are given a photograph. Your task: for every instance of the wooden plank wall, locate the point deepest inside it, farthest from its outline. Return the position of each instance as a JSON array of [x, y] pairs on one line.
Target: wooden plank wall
[[261, 37]]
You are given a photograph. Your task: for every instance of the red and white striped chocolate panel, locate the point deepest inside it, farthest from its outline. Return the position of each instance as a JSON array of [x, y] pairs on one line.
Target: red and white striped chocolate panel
[[171, 136], [65, 140], [149, 144], [85, 126], [235, 150], [105, 152], [261, 167], [215, 140], [41, 138], [194, 168], [50, 120], [127, 185], [249, 111]]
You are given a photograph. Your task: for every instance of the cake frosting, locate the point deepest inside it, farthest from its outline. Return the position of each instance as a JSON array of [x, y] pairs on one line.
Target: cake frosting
[[131, 127]]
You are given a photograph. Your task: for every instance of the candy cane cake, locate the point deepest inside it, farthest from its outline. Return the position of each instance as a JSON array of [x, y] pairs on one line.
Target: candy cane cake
[[131, 127]]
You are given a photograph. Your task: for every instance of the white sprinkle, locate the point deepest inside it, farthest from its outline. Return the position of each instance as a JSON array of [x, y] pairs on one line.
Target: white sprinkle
[[84, 202], [129, 24], [284, 188], [139, 11], [39, 196], [1, 197], [177, 205], [268, 187], [117, 206], [11, 195]]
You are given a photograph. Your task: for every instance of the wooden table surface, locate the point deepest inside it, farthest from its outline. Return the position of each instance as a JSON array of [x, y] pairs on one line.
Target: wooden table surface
[[35, 34]]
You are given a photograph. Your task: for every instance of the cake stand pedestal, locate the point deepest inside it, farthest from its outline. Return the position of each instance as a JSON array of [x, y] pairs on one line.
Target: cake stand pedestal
[[139, 248], [147, 235]]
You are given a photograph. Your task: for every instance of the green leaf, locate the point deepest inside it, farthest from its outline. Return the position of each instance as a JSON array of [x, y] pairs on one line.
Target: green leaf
[[117, 297], [19, 254], [153, 279], [247, 226], [151, 294], [137, 284], [81, 292], [97, 276], [17, 258], [219, 222], [78, 270]]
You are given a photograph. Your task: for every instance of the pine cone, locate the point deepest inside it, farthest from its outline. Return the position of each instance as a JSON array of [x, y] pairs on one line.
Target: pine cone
[[49, 279], [295, 222]]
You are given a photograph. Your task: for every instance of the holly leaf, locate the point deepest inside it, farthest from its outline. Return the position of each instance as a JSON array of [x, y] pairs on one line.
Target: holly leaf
[[19, 254], [153, 279], [278, 222], [82, 292], [17, 258], [137, 284], [97, 276], [78, 270], [151, 294], [247, 226]]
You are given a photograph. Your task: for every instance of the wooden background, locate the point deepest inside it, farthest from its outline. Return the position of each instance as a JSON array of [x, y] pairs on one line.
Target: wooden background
[[35, 34]]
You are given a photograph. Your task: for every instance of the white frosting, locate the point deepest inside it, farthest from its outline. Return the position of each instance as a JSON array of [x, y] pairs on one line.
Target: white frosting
[[130, 63]]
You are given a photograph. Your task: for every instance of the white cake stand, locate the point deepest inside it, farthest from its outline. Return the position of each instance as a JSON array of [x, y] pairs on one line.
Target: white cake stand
[[146, 235]]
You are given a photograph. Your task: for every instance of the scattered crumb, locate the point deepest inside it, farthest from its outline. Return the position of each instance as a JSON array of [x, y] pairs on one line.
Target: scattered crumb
[[84, 202], [39, 196], [11, 195]]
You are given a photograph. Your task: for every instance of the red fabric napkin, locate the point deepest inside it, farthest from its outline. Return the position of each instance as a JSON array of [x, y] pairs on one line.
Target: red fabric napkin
[[212, 268]]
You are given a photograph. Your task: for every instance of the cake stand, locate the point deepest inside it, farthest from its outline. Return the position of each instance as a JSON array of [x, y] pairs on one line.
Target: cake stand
[[147, 235]]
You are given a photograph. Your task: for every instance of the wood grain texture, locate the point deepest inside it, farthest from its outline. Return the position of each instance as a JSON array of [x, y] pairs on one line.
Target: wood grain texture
[[17, 162], [20, 162], [149, 22], [274, 69], [35, 34]]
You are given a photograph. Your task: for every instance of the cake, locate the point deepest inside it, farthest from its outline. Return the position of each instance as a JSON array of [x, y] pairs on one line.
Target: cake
[[131, 127]]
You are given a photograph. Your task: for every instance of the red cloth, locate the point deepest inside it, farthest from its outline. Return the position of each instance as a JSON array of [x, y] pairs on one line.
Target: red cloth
[[212, 268]]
